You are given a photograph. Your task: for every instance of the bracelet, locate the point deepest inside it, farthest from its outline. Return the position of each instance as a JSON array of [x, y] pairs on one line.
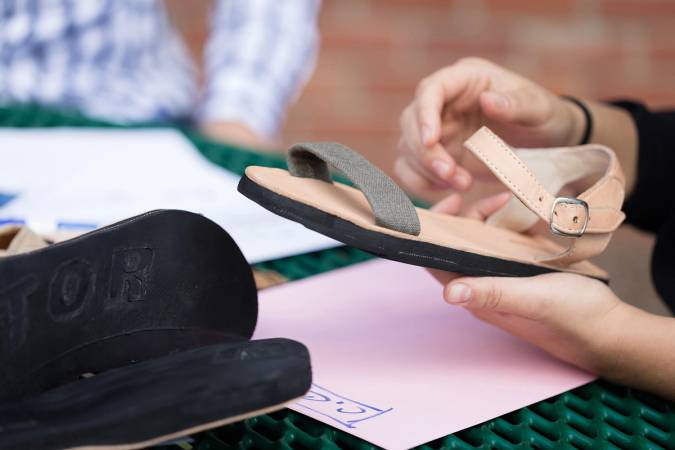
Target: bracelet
[[588, 129]]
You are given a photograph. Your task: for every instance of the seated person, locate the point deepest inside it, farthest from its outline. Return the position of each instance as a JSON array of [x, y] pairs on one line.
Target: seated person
[[122, 61]]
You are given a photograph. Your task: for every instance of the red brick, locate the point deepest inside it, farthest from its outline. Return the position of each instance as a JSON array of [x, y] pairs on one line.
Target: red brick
[[638, 8], [374, 52]]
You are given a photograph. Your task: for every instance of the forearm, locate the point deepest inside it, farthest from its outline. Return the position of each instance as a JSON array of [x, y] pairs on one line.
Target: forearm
[[639, 351], [259, 55], [615, 128]]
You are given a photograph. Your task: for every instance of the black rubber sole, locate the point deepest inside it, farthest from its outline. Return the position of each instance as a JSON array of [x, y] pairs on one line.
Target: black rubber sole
[[390, 247], [164, 398], [145, 287]]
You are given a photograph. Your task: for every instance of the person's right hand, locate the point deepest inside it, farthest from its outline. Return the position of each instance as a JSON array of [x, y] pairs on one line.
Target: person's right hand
[[452, 103], [572, 317]]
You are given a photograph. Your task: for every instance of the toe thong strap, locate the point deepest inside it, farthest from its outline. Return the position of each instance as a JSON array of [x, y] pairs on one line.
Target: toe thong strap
[[588, 220], [391, 206]]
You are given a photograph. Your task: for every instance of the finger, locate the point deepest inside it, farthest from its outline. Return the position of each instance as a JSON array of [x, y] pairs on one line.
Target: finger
[[462, 180], [445, 168], [524, 297], [414, 178], [451, 204], [410, 132], [432, 94], [526, 106], [442, 276], [435, 160], [410, 178], [486, 207], [496, 318], [516, 325]]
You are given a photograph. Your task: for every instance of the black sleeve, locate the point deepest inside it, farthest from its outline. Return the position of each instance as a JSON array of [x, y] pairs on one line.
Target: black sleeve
[[651, 205], [652, 201]]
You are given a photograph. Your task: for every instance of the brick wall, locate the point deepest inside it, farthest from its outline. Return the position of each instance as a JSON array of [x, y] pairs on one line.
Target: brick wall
[[374, 52]]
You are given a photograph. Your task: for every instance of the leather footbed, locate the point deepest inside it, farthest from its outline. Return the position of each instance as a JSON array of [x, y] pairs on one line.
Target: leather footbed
[[450, 243]]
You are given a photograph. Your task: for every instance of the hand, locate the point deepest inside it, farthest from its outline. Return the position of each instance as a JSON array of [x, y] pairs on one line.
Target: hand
[[572, 317], [234, 133], [452, 103]]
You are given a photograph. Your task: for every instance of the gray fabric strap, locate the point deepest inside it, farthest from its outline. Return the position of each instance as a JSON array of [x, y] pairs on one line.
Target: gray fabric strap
[[391, 206]]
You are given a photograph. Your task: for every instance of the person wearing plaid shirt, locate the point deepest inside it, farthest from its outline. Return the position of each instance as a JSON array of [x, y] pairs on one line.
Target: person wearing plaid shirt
[[121, 60]]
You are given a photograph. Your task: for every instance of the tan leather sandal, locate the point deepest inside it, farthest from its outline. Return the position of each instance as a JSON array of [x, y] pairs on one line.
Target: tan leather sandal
[[378, 217]]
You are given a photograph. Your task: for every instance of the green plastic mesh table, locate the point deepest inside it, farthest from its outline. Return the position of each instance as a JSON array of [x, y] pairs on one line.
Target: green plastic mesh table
[[598, 415]]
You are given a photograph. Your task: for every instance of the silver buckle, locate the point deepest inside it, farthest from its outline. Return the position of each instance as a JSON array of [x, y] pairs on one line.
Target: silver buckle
[[569, 201]]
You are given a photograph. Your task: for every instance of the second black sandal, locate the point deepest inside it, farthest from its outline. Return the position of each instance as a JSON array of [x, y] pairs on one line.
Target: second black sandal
[[148, 286], [161, 399]]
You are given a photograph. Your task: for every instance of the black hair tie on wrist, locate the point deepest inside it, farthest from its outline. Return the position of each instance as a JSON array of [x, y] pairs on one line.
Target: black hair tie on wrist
[[588, 129]]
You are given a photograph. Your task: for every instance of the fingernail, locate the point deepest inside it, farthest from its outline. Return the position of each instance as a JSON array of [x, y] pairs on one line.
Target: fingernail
[[458, 293], [427, 134], [500, 101], [441, 168], [462, 180]]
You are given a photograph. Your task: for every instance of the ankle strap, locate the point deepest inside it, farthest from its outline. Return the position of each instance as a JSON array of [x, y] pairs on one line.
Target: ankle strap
[[589, 219]]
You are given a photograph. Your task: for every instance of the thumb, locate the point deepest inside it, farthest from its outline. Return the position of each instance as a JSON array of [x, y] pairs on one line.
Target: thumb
[[526, 106], [525, 297]]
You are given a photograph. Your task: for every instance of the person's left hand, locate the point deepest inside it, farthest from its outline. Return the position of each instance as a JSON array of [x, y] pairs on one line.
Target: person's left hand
[[234, 133], [572, 317]]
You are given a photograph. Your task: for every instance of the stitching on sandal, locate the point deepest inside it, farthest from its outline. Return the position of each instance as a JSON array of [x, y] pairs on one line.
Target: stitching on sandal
[[534, 205]]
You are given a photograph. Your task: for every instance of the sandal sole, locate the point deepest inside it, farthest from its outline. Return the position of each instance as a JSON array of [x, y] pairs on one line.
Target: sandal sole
[[162, 399], [145, 287], [407, 251]]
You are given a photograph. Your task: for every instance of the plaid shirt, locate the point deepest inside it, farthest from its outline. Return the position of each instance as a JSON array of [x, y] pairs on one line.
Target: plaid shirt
[[121, 60]]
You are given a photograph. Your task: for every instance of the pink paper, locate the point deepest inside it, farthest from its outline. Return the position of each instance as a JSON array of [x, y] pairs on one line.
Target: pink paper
[[395, 365]]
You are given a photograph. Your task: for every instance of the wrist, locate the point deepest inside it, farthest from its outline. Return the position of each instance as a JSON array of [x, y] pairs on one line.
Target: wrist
[[577, 123], [612, 341]]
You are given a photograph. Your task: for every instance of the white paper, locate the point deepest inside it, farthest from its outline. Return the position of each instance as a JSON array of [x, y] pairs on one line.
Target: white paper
[[99, 176]]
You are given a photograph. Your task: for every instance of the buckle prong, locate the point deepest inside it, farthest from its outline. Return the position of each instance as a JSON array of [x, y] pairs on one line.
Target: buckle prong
[[568, 201]]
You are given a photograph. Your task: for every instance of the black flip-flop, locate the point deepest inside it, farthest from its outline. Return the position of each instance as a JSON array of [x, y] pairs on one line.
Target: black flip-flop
[[378, 216], [161, 399], [152, 285]]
